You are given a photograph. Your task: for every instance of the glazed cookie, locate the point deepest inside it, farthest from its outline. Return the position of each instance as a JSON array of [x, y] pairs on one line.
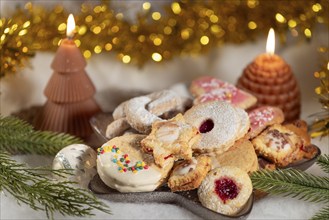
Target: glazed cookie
[[171, 139], [225, 190], [242, 155], [188, 174], [219, 125], [123, 166], [278, 144], [208, 88], [262, 117]]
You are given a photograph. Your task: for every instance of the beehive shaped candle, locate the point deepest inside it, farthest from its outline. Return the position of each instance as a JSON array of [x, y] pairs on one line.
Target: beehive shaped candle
[[271, 80]]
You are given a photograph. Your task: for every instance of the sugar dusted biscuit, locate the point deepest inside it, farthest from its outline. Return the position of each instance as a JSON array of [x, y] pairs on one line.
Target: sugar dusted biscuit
[[219, 124], [188, 174], [171, 139], [225, 190]]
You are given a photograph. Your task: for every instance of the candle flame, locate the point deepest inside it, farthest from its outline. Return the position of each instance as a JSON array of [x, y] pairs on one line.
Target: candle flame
[[328, 66], [270, 44], [70, 26]]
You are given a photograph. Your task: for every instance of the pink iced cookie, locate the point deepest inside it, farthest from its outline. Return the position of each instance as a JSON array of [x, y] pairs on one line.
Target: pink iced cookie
[[262, 117], [208, 88]]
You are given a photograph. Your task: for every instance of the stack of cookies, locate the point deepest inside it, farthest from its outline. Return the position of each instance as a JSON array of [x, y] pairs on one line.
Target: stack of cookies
[[208, 141]]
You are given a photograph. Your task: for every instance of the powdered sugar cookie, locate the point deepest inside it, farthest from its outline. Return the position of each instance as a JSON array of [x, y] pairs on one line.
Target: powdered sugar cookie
[[262, 117], [171, 139], [225, 190], [123, 166], [188, 174], [208, 88], [117, 128], [244, 122], [219, 125]]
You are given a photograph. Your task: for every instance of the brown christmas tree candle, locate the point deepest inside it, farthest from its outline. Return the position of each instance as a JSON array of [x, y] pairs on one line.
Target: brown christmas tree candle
[[271, 80], [70, 92]]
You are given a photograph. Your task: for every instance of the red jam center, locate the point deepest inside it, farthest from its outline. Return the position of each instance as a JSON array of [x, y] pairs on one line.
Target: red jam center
[[226, 189], [206, 126]]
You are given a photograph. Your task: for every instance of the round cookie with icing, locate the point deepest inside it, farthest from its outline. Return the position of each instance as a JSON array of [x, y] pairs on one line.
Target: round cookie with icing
[[225, 190], [123, 166], [219, 124]]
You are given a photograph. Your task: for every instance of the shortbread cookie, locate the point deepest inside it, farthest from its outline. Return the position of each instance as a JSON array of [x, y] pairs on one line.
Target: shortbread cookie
[[225, 190], [219, 125], [123, 166], [188, 174], [278, 144], [242, 155], [208, 88], [171, 139], [262, 117]]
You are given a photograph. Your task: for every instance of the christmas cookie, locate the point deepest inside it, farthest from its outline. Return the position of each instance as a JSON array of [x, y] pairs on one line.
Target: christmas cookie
[[208, 88], [262, 117], [171, 139], [278, 144], [242, 155], [188, 174], [117, 128], [225, 190], [219, 124], [123, 166]]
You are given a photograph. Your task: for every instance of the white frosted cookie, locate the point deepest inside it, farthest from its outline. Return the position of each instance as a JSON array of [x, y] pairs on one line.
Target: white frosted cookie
[[123, 166], [225, 190], [219, 125]]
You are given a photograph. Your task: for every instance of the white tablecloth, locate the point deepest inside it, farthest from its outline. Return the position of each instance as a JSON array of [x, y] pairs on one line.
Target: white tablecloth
[[113, 78]]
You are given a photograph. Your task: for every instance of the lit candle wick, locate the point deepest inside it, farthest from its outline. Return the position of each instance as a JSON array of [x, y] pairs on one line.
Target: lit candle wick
[[70, 27], [270, 44]]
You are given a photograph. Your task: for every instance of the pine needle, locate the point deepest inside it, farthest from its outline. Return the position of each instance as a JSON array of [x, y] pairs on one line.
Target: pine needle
[[17, 136], [323, 214], [33, 187], [323, 162]]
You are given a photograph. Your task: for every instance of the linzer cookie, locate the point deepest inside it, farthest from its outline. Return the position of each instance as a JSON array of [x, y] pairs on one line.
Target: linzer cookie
[[225, 190], [271, 80], [208, 88], [262, 117], [123, 166], [219, 124], [188, 174]]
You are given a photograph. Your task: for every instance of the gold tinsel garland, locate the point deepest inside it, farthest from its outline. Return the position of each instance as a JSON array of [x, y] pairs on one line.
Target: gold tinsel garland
[[320, 126], [184, 27]]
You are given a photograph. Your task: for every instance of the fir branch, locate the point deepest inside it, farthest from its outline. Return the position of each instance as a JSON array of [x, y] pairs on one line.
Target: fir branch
[[17, 136], [323, 162], [323, 214], [291, 182], [33, 187]]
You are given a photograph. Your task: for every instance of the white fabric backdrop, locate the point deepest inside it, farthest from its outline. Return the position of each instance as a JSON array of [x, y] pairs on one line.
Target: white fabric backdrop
[[112, 78]]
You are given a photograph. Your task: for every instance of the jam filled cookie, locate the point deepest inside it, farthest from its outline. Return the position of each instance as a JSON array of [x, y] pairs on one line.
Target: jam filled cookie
[[262, 117], [225, 190], [188, 174], [208, 88], [278, 144], [219, 125], [123, 166], [171, 139]]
